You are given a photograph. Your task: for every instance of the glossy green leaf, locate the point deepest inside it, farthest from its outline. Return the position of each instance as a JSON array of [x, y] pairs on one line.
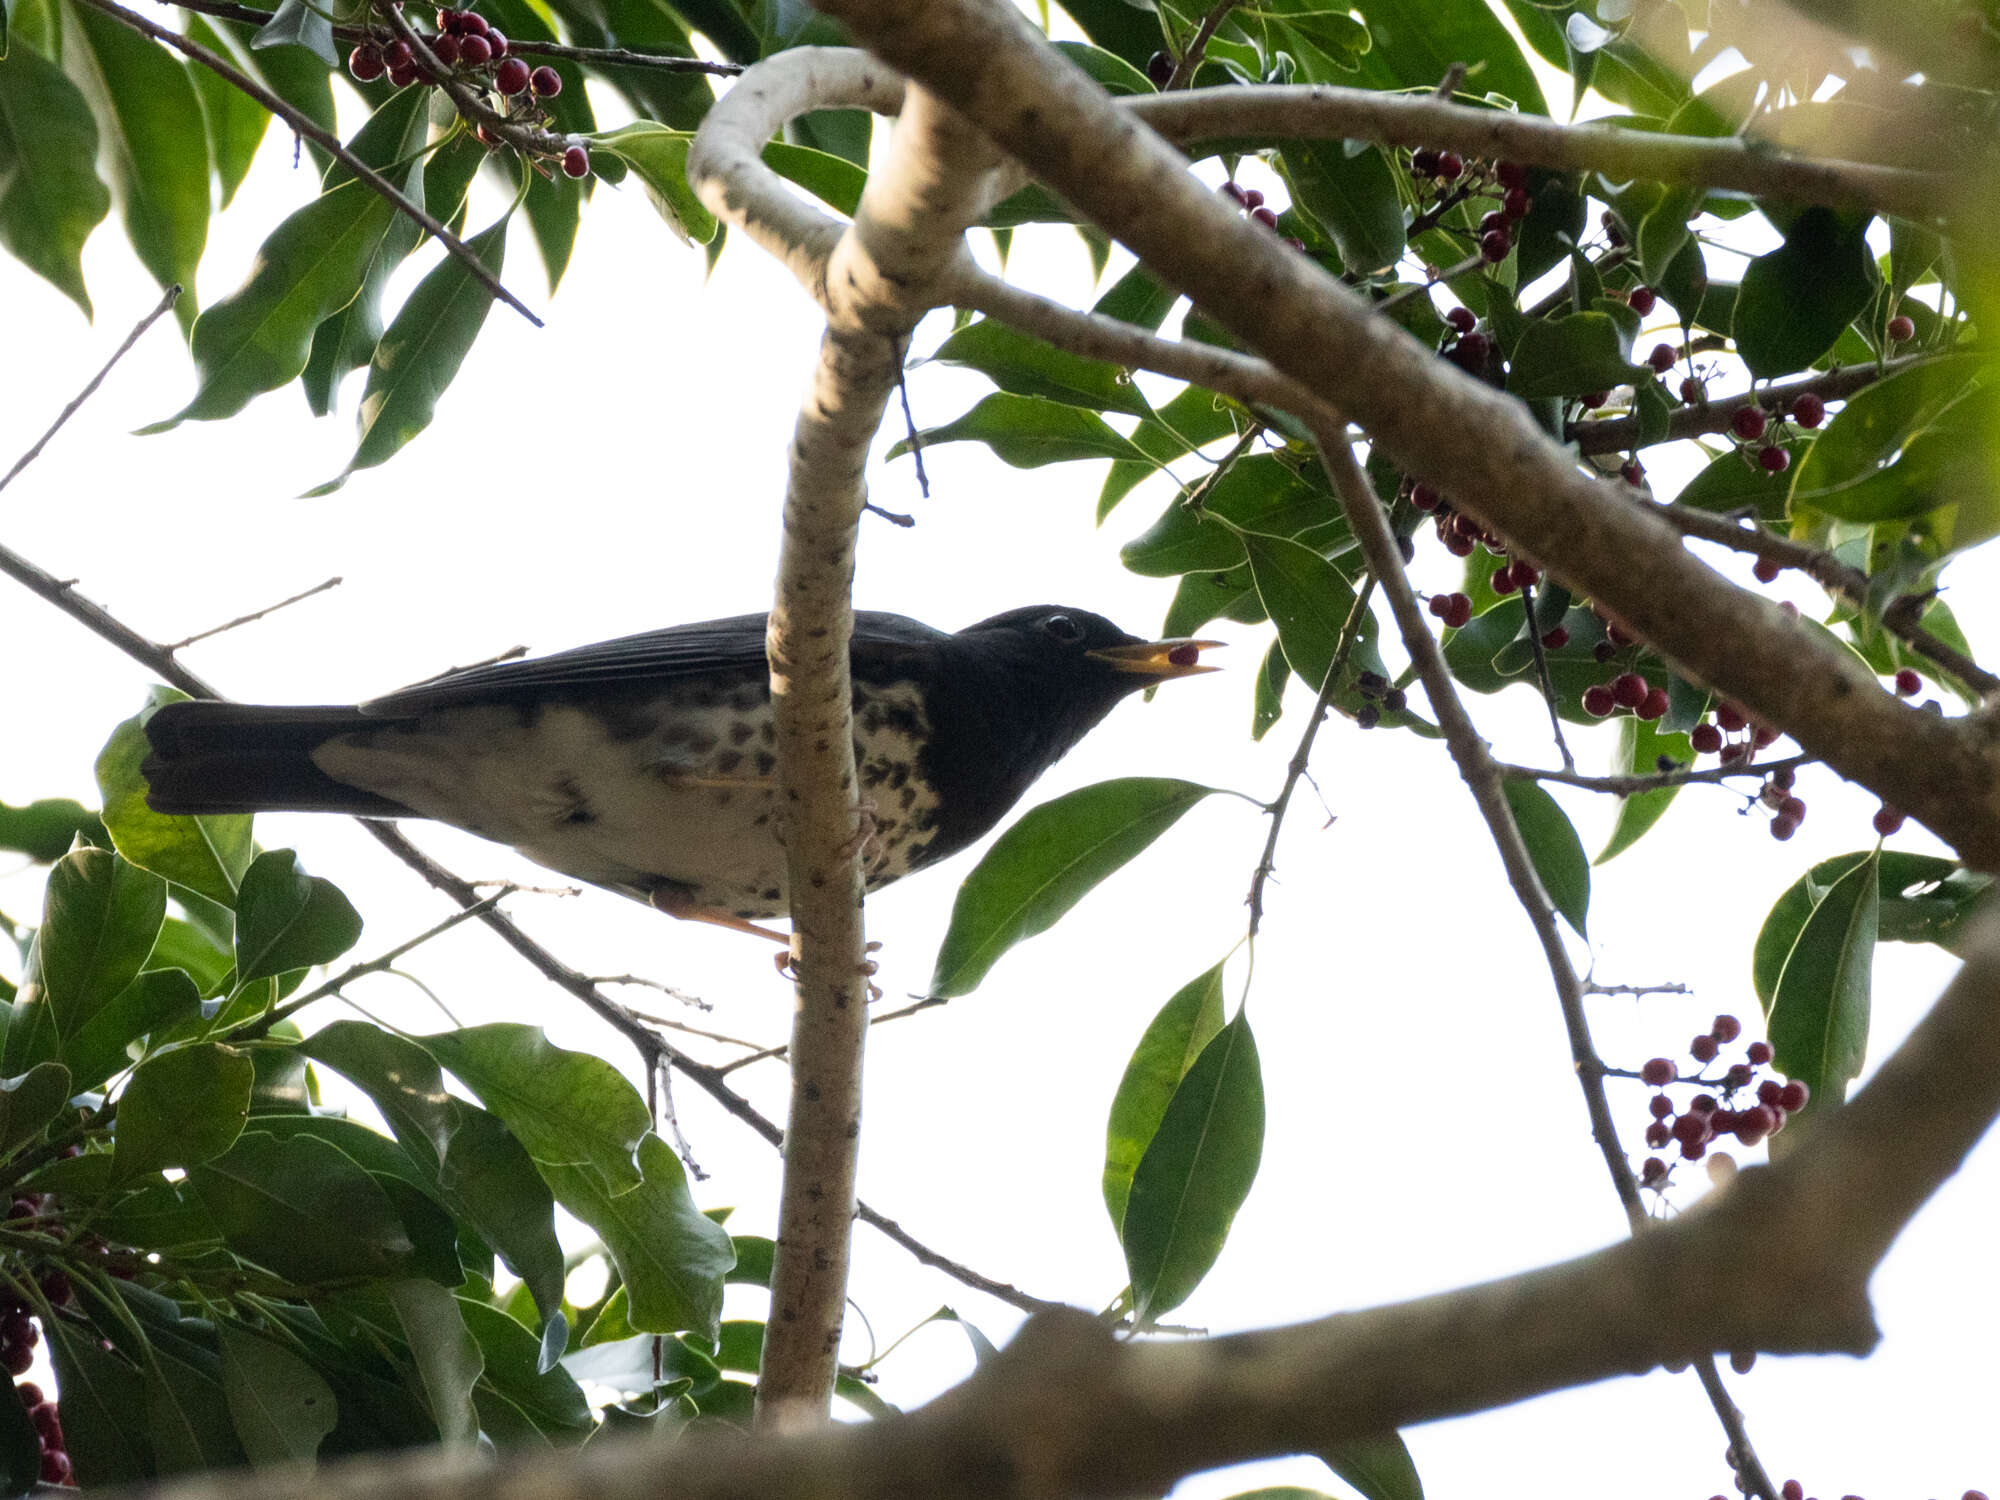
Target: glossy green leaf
[[567, 1108], [420, 354], [1029, 431], [1554, 849], [100, 915], [546, 1401], [1794, 301], [146, 106], [671, 1257], [303, 1209], [554, 204], [300, 23], [448, 1358], [1380, 1468], [1585, 351], [1818, 1018], [208, 855], [295, 76], [44, 830], [1047, 862], [1353, 198], [658, 157], [1878, 422], [1026, 366], [1921, 899], [346, 341], [182, 1106], [1416, 42], [1196, 1173], [50, 195], [1108, 70], [1733, 482], [287, 919], [29, 1102], [1171, 1043], [235, 122], [1640, 746], [1309, 600], [1260, 492], [1270, 691], [834, 180], [281, 1408]]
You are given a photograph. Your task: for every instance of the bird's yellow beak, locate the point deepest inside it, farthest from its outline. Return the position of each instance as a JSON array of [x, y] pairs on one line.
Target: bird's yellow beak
[[1161, 659]]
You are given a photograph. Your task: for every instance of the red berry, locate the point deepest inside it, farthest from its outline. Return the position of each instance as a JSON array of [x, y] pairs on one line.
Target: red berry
[[1632, 471], [1424, 498], [448, 20], [1492, 221], [1754, 1123], [1252, 198], [1793, 808], [1908, 683], [1656, 705], [16, 1359], [397, 54], [1783, 828], [1783, 778], [1726, 1029], [1628, 690], [1503, 579], [1692, 1129], [1772, 459], [1658, 1072], [497, 42], [30, 1394], [1808, 410], [1229, 189], [475, 51], [1770, 1091], [1653, 1171], [1703, 1104], [1184, 656], [1556, 638], [1902, 328], [1461, 611], [547, 83], [1510, 174], [1462, 319], [55, 1467], [1515, 203], [1888, 820], [472, 23], [365, 62], [1762, 737], [404, 76], [1658, 1134], [1594, 399], [1597, 701], [47, 1422], [1759, 1053], [445, 49], [1662, 359], [1438, 604], [1450, 165], [1660, 1106], [1702, 1049], [1693, 392], [511, 76], [1424, 162], [1160, 69], [1706, 738], [1794, 1097], [1730, 717], [1494, 245], [1792, 1490], [576, 162], [1738, 1076], [1265, 217], [1767, 570], [1747, 422], [1642, 300]]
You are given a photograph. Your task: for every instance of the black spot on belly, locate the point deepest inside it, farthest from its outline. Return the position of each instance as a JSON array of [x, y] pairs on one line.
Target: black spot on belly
[[728, 761], [766, 762], [741, 731], [576, 810], [625, 723], [908, 798], [773, 894]]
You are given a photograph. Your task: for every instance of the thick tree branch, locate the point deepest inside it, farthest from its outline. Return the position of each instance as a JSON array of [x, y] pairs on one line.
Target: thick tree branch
[[1476, 444]]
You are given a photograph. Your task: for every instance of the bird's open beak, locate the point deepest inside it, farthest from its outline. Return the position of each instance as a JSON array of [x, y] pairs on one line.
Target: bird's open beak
[[1161, 659]]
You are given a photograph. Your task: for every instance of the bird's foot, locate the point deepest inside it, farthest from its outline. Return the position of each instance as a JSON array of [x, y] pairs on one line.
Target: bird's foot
[[865, 830], [788, 969]]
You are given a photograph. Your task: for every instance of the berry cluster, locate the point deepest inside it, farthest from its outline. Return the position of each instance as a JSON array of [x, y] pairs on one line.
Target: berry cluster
[[48, 1429], [1628, 690], [1454, 609], [1706, 1119], [471, 50], [1380, 696], [1506, 181], [1791, 1489], [1252, 202]]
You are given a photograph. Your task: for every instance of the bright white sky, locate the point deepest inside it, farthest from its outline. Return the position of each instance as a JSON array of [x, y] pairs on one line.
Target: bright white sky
[[622, 469]]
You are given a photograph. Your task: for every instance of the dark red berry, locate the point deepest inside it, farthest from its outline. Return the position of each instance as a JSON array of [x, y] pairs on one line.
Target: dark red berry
[[1628, 690], [1908, 683], [1265, 217], [1655, 706], [1792, 1490], [1703, 1104], [1424, 162], [404, 76], [448, 20], [1747, 422], [1692, 1128], [1642, 300], [472, 23], [397, 54], [1424, 498], [1902, 328], [1658, 1072], [1252, 198], [1693, 392], [1772, 459], [1793, 808], [475, 51], [1662, 359], [55, 1467], [1706, 739], [1450, 165], [576, 162], [1556, 638], [1230, 189], [1653, 1171], [1457, 544], [1794, 1097], [1763, 736], [1494, 245], [547, 83], [1515, 203], [1159, 68], [1726, 1029], [1783, 828], [30, 1394], [1462, 319], [1660, 1106], [48, 1422], [497, 42], [1738, 1076], [1597, 701], [1658, 1134], [1888, 820], [365, 63], [1594, 399], [1438, 604], [1470, 353], [1770, 1091], [1766, 570], [16, 1359], [1808, 410], [1759, 1053], [1510, 174], [1461, 611], [1702, 1049], [1491, 221], [445, 49], [1503, 579], [1784, 777], [1730, 717], [511, 76], [1613, 230]]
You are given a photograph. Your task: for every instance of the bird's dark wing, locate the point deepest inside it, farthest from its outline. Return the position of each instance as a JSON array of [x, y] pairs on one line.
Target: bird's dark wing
[[680, 651]]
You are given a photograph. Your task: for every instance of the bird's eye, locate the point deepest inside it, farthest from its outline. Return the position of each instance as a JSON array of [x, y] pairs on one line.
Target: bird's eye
[[1063, 628]]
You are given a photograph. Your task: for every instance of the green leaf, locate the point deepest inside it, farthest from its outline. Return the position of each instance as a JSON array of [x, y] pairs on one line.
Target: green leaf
[[1555, 850], [1353, 198], [50, 196], [567, 1108], [1107, 69], [1309, 601], [29, 1102], [1585, 351], [1818, 1018], [44, 830], [421, 353], [1196, 1173], [1640, 746], [1417, 41], [20, 1444], [1733, 482], [295, 76], [834, 180], [1029, 431], [302, 1209], [554, 203], [546, 1401], [1879, 422], [99, 918], [259, 336], [1172, 1041], [281, 1408], [101, 1393], [1921, 899], [1046, 863], [447, 1355], [658, 156], [346, 341], [147, 108], [1260, 492], [300, 23], [207, 855], [287, 919], [235, 122], [671, 1257], [1380, 1468], [181, 1107], [1026, 366], [1795, 301], [1270, 691]]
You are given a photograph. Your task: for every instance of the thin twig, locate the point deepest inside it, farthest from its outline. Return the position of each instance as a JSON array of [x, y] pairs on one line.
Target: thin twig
[[1633, 786], [1621, 434], [922, 1002], [1267, 862], [1542, 676], [916, 441], [1470, 263], [167, 300], [269, 609], [642, 982], [1592, 987], [1197, 47], [1197, 495], [303, 124]]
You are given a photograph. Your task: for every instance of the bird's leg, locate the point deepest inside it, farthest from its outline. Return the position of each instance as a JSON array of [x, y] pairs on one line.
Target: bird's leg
[[865, 831], [676, 903]]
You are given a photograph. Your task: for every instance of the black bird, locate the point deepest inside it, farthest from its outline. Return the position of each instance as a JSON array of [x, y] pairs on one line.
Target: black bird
[[648, 764]]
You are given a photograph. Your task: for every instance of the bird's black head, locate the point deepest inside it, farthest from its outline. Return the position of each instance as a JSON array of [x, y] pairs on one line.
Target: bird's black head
[[1015, 692]]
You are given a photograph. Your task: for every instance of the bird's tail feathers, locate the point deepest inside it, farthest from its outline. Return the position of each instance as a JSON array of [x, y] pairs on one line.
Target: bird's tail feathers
[[243, 758]]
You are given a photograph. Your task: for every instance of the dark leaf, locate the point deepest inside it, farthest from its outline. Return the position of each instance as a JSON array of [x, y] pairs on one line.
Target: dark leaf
[[99, 918], [302, 1209], [1555, 850], [45, 830], [1794, 302], [548, 1398], [554, 204], [1270, 691], [658, 156], [1417, 41], [20, 1444], [448, 1357], [1353, 198], [101, 1395], [1732, 481], [1380, 1468], [50, 196], [1046, 863], [1171, 1043], [235, 122], [280, 1406], [1640, 746], [182, 1106], [29, 1102], [287, 919], [1259, 492], [1921, 899], [300, 23], [1585, 351], [834, 180]]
